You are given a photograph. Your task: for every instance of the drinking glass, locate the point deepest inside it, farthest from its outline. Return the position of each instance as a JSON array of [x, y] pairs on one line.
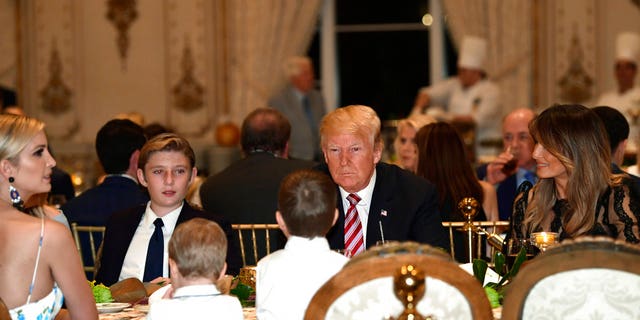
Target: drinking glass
[[512, 164], [513, 248]]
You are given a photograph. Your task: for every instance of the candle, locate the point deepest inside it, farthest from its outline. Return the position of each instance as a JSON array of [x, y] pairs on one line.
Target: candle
[[545, 238]]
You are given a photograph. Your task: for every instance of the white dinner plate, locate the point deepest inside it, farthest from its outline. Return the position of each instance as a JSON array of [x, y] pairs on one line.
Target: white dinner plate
[[111, 307]]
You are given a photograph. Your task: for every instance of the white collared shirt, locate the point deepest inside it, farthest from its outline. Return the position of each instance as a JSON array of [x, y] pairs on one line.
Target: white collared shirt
[[135, 259], [287, 279], [363, 206], [194, 302]]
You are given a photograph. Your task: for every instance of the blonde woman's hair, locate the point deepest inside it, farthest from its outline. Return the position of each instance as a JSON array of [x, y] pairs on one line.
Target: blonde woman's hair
[[15, 134], [354, 119], [414, 121], [576, 136]]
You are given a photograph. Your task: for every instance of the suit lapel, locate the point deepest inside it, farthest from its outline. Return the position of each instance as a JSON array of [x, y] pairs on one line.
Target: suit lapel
[[379, 204]]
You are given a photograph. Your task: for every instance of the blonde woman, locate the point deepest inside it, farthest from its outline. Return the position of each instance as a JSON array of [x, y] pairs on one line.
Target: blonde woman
[[39, 259], [405, 143]]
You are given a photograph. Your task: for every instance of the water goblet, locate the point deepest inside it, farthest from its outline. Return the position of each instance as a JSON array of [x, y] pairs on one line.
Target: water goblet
[[513, 248]]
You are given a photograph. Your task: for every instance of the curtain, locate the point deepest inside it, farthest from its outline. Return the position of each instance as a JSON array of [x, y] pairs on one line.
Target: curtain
[[259, 37], [506, 25]]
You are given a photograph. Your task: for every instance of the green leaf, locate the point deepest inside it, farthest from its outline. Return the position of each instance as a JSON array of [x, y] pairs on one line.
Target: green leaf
[[479, 269], [520, 258], [498, 260], [493, 296], [101, 293]]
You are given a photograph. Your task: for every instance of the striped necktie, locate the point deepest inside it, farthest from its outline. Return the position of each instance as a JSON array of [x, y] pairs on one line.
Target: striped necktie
[[353, 237]]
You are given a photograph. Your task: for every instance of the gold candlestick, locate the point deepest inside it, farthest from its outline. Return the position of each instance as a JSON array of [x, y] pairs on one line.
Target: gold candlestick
[[469, 208], [409, 286]]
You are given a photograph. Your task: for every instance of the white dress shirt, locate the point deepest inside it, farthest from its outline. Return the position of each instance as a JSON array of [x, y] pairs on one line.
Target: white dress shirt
[[194, 302], [136, 257], [363, 206], [287, 279], [481, 101]]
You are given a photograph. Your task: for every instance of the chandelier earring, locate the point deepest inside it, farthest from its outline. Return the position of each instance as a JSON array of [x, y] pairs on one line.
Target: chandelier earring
[[15, 195]]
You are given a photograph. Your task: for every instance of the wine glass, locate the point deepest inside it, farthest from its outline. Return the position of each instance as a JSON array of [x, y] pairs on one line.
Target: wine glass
[[513, 248], [543, 240]]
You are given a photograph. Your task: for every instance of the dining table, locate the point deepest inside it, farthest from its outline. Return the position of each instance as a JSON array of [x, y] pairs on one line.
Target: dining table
[[133, 313]]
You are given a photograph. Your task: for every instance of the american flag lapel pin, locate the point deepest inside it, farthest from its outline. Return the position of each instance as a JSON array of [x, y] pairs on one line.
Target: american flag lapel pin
[[383, 212]]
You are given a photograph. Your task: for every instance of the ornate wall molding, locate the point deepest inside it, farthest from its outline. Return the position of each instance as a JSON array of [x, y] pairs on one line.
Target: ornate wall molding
[[122, 13], [189, 67]]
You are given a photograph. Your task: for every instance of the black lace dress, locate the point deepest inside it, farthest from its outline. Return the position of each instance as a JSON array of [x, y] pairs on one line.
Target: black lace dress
[[617, 214]]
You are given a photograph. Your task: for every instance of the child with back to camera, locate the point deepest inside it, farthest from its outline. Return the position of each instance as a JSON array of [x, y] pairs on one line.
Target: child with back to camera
[[287, 279]]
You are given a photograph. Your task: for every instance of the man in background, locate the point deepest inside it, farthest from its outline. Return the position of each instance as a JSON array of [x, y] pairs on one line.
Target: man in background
[[246, 192], [118, 145], [468, 97], [515, 164], [304, 106], [618, 132], [626, 97]]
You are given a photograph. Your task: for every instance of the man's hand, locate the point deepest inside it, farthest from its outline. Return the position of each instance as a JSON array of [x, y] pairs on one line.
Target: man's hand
[[501, 167], [421, 104]]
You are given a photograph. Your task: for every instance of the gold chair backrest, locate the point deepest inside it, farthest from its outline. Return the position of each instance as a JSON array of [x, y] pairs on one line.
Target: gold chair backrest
[[491, 226], [583, 253], [385, 261], [90, 231], [254, 231]]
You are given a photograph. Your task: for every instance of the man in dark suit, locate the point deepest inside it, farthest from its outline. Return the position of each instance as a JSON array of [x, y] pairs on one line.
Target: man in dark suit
[[118, 145], [618, 132], [135, 242], [247, 190], [390, 203], [304, 106], [515, 164]]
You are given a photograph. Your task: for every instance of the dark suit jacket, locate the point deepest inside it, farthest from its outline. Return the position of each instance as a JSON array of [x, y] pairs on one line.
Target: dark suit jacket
[[122, 226], [411, 207], [61, 184], [94, 206], [247, 191], [635, 179], [506, 192]]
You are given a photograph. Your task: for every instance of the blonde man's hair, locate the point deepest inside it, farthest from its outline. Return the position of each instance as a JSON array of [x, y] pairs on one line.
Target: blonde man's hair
[[354, 119], [166, 142], [15, 134], [199, 249]]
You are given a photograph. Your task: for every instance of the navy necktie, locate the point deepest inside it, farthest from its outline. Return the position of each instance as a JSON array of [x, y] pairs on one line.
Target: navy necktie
[[155, 253]]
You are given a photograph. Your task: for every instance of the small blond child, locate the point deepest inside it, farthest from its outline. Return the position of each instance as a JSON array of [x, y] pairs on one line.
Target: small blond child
[[287, 279], [197, 252]]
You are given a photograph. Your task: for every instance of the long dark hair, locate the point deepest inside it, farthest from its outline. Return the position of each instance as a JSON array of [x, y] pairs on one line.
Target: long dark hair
[[442, 160]]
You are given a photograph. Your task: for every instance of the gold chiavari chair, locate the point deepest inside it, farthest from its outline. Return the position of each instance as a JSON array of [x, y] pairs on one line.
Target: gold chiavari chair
[[260, 235], [366, 287], [91, 232], [585, 278], [490, 226]]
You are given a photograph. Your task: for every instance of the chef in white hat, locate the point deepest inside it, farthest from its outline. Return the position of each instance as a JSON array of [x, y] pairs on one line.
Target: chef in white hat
[[469, 96], [626, 97]]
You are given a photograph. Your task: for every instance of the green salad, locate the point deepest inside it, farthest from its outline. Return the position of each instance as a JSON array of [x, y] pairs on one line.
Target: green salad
[[101, 293]]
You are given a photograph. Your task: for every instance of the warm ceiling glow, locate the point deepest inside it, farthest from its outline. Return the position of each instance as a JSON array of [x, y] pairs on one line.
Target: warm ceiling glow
[[427, 19]]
